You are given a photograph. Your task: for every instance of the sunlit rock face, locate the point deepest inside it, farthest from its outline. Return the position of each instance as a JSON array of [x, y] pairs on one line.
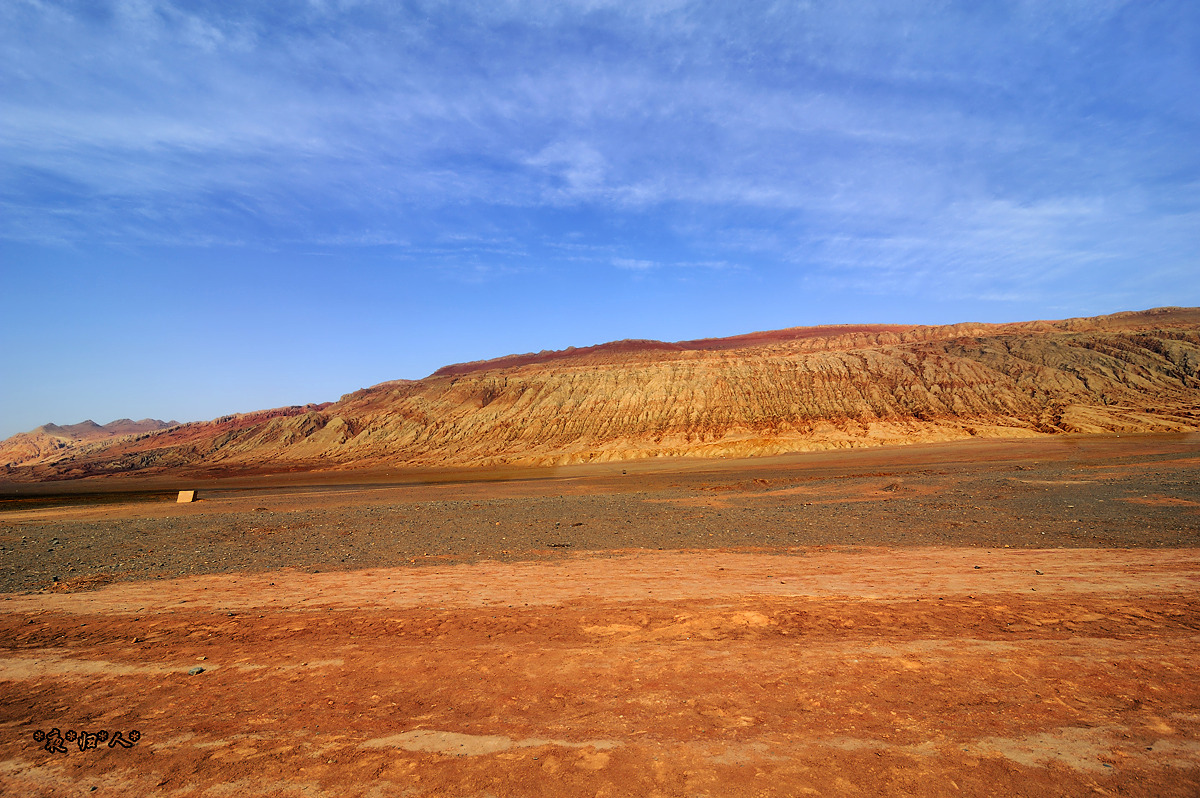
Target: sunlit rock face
[[763, 393]]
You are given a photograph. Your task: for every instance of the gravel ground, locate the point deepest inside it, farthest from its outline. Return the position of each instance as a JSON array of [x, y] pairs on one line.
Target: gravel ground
[[1133, 492]]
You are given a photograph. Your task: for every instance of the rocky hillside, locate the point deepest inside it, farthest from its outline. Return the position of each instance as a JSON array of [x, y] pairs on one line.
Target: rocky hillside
[[49, 442], [764, 393]]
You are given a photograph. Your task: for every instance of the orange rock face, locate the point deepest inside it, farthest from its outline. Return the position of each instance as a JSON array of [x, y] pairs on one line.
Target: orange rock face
[[763, 393]]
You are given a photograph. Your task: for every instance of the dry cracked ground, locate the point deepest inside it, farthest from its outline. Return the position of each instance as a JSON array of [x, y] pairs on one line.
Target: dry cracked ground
[[989, 618]]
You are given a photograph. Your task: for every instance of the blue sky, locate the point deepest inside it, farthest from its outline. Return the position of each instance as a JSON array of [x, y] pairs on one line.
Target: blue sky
[[208, 208]]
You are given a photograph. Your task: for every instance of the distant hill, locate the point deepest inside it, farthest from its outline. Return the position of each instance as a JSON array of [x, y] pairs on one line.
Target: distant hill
[[762, 393], [49, 441], [90, 430]]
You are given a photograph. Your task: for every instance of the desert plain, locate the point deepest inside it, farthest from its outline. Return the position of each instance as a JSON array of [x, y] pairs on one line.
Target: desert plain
[[981, 617]]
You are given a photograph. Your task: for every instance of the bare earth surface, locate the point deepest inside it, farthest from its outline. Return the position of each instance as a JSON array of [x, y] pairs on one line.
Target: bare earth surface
[[991, 618]]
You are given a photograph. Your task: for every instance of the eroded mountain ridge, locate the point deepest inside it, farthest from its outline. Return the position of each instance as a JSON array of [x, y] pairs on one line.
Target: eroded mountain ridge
[[759, 394]]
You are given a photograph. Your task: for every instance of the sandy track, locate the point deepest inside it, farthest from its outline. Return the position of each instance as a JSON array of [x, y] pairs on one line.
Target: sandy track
[[823, 671]]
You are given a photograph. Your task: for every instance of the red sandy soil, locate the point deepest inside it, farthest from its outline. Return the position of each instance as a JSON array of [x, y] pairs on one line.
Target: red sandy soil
[[773, 671], [867, 672]]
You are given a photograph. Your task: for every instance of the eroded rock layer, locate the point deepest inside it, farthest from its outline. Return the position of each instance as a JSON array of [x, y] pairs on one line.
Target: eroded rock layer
[[764, 393]]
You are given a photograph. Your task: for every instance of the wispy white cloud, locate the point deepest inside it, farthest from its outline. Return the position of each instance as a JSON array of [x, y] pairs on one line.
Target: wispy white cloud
[[633, 264], [850, 133]]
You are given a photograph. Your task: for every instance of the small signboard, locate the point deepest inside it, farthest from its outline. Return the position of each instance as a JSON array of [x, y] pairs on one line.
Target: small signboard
[[186, 496]]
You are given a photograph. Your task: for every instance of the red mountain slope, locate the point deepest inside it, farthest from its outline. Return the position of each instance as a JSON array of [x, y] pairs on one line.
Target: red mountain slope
[[762, 393]]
